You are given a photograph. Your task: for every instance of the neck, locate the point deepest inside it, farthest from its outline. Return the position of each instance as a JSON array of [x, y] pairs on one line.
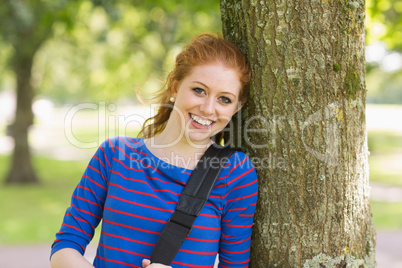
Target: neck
[[170, 142], [178, 152]]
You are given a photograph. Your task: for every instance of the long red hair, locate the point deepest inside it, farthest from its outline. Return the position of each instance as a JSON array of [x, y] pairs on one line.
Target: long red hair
[[202, 50]]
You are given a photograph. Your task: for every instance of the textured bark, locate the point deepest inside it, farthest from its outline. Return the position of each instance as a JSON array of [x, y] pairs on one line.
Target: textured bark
[[304, 128]]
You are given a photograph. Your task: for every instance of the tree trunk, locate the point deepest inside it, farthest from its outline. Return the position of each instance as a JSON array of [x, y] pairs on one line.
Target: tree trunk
[[304, 129], [29, 25], [21, 167]]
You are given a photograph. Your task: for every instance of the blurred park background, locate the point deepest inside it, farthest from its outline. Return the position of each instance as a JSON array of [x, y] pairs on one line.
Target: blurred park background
[[101, 60]]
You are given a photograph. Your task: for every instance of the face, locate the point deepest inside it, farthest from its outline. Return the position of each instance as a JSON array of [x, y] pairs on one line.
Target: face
[[205, 101]]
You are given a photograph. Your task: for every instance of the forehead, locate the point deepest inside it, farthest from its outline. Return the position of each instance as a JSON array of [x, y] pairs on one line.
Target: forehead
[[216, 76]]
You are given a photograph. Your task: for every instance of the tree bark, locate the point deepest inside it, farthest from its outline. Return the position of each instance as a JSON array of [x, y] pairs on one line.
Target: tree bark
[[304, 129], [21, 170]]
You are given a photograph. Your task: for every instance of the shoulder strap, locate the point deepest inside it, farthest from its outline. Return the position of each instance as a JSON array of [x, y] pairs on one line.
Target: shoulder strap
[[192, 200]]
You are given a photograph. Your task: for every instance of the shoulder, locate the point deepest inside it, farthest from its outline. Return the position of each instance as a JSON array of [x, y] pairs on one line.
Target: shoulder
[[241, 182], [121, 143], [240, 160], [239, 169]]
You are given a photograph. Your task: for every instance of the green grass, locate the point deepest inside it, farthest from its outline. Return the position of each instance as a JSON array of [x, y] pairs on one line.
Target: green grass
[[384, 141], [385, 163], [386, 168], [33, 213], [385, 160], [387, 215]]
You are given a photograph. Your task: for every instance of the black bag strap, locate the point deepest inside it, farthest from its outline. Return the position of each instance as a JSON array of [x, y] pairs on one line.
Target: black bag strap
[[193, 198]]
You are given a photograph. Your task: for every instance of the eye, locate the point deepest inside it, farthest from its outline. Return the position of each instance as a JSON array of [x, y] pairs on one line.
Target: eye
[[198, 90], [225, 100]]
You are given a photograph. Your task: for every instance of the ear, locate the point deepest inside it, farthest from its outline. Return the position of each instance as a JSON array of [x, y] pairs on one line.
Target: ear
[[174, 88]]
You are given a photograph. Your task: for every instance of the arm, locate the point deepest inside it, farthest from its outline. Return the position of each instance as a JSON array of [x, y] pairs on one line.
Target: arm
[[238, 214], [86, 209], [68, 258]]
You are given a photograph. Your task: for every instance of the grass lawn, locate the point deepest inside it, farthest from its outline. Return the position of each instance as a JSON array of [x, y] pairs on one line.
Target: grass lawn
[[387, 216], [386, 168], [385, 163], [385, 160], [384, 141], [33, 213]]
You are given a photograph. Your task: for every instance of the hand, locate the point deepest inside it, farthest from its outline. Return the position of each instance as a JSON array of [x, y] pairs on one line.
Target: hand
[[147, 264]]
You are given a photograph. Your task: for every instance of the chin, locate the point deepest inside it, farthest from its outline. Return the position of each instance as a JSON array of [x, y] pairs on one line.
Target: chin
[[199, 137]]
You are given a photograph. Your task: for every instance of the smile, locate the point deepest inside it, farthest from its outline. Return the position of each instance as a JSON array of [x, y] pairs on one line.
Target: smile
[[201, 121]]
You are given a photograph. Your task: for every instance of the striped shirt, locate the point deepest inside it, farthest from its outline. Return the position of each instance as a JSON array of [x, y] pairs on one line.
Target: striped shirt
[[134, 193]]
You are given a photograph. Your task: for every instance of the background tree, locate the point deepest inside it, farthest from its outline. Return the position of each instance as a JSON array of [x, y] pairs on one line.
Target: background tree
[[25, 25], [307, 103], [88, 50], [107, 57]]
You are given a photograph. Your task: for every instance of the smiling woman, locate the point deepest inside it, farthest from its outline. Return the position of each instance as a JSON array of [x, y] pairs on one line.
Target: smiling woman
[[204, 49], [206, 99], [134, 184]]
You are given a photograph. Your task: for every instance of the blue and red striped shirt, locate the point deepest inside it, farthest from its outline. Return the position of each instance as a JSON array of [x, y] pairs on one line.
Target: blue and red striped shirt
[[134, 193]]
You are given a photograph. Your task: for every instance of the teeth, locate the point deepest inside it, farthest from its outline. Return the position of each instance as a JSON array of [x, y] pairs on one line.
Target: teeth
[[201, 121]]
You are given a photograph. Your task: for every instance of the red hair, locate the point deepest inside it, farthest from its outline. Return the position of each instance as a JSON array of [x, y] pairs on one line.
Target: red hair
[[202, 50]]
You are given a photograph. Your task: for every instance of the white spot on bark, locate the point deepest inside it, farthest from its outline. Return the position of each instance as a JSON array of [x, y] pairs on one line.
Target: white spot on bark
[[331, 131], [354, 4], [351, 261]]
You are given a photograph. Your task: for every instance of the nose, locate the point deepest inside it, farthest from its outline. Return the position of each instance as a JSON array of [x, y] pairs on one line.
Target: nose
[[208, 106]]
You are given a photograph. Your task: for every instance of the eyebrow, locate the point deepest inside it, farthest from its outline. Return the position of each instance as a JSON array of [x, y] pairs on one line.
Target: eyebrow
[[225, 92]]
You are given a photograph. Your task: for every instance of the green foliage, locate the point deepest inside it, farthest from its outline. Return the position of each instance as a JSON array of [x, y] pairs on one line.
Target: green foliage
[[108, 50], [26, 24], [384, 22]]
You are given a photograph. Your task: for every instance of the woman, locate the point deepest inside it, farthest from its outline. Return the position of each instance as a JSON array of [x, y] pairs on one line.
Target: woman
[[133, 184]]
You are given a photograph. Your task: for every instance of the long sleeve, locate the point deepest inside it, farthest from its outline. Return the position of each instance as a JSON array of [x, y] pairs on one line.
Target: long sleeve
[[135, 193], [238, 213], [87, 202]]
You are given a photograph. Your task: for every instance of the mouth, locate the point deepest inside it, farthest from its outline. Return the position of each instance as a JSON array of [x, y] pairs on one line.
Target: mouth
[[202, 122]]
